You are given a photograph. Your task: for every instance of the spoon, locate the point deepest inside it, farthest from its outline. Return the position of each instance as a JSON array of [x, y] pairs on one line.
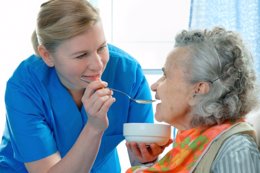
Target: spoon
[[140, 101]]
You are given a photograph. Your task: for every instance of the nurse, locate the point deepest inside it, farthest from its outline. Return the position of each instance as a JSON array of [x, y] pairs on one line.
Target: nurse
[[55, 121]]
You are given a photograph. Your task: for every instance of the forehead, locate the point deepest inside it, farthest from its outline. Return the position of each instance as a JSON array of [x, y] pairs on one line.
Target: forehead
[[92, 38], [177, 58]]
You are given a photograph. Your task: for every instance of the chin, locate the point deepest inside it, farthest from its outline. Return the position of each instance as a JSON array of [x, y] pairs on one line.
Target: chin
[[158, 117], [157, 113]]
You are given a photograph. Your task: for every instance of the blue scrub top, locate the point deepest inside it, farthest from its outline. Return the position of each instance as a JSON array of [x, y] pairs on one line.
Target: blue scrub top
[[42, 117]]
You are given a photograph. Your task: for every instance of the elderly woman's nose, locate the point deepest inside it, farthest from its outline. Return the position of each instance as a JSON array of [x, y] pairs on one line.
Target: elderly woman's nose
[[154, 86]]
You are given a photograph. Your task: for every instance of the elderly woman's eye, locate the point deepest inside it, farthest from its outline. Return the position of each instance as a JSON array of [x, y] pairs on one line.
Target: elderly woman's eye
[[163, 78]]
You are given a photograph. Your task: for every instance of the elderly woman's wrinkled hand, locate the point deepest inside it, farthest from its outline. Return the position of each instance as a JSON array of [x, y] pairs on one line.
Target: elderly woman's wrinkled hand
[[146, 153]]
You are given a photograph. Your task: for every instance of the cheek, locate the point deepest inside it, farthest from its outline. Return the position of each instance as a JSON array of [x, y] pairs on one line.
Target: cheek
[[70, 73], [75, 69], [171, 108], [105, 60], [105, 57]]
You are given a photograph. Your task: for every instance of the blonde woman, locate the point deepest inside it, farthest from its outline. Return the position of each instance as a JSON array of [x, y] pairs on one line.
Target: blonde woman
[[55, 121]]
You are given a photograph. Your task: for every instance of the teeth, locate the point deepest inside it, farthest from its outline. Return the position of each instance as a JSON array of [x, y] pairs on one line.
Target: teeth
[[84, 80]]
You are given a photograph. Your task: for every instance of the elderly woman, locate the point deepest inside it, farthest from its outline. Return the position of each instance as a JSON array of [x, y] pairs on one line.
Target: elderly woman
[[208, 87]]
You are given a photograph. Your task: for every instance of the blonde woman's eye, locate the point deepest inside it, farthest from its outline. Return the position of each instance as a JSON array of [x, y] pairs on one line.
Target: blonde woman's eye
[[82, 55], [102, 48]]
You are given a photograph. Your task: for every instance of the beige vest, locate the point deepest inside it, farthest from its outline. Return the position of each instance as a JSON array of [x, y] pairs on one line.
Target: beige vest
[[204, 165]]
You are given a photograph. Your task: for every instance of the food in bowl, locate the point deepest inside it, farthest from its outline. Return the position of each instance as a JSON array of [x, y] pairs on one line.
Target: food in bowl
[[147, 133]]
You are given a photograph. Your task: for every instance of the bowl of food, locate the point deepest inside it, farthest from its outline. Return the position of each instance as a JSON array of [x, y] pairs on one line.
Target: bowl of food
[[147, 133]]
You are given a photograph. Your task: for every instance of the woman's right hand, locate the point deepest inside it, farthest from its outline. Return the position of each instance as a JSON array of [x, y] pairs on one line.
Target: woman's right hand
[[97, 100]]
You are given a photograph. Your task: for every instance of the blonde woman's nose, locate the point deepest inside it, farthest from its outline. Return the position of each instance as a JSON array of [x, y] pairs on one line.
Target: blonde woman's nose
[[96, 63]]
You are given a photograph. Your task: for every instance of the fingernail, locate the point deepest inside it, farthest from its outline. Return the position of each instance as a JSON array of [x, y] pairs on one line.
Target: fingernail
[[105, 83]]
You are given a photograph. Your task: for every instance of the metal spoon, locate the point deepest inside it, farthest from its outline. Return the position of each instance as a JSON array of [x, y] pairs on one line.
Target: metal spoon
[[140, 101]]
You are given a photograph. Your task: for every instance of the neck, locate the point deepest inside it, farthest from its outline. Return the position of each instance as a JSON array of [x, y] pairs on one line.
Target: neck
[[77, 95], [183, 123]]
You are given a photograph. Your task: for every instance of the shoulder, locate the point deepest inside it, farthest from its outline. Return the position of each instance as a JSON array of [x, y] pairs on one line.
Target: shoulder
[[238, 143], [30, 66], [123, 69], [31, 61], [30, 75], [118, 55], [122, 66], [239, 151], [30, 69]]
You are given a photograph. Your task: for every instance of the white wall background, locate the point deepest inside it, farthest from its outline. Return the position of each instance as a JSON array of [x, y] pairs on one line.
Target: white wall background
[[17, 23]]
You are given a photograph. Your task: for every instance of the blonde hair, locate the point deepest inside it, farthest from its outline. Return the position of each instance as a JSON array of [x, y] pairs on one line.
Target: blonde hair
[[59, 20]]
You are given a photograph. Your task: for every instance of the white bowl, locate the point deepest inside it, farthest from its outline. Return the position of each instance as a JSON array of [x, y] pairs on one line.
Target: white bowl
[[147, 133]]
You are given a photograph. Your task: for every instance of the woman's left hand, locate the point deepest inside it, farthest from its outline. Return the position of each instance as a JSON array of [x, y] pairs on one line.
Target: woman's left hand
[[145, 153]]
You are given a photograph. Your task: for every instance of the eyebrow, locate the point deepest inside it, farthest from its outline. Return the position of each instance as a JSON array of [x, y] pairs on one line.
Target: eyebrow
[[79, 52], [87, 51]]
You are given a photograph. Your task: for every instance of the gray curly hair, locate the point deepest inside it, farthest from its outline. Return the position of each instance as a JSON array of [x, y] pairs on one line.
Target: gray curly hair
[[220, 58]]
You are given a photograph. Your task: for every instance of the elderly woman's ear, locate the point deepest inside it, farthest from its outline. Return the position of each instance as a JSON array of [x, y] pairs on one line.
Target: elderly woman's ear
[[199, 88]]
